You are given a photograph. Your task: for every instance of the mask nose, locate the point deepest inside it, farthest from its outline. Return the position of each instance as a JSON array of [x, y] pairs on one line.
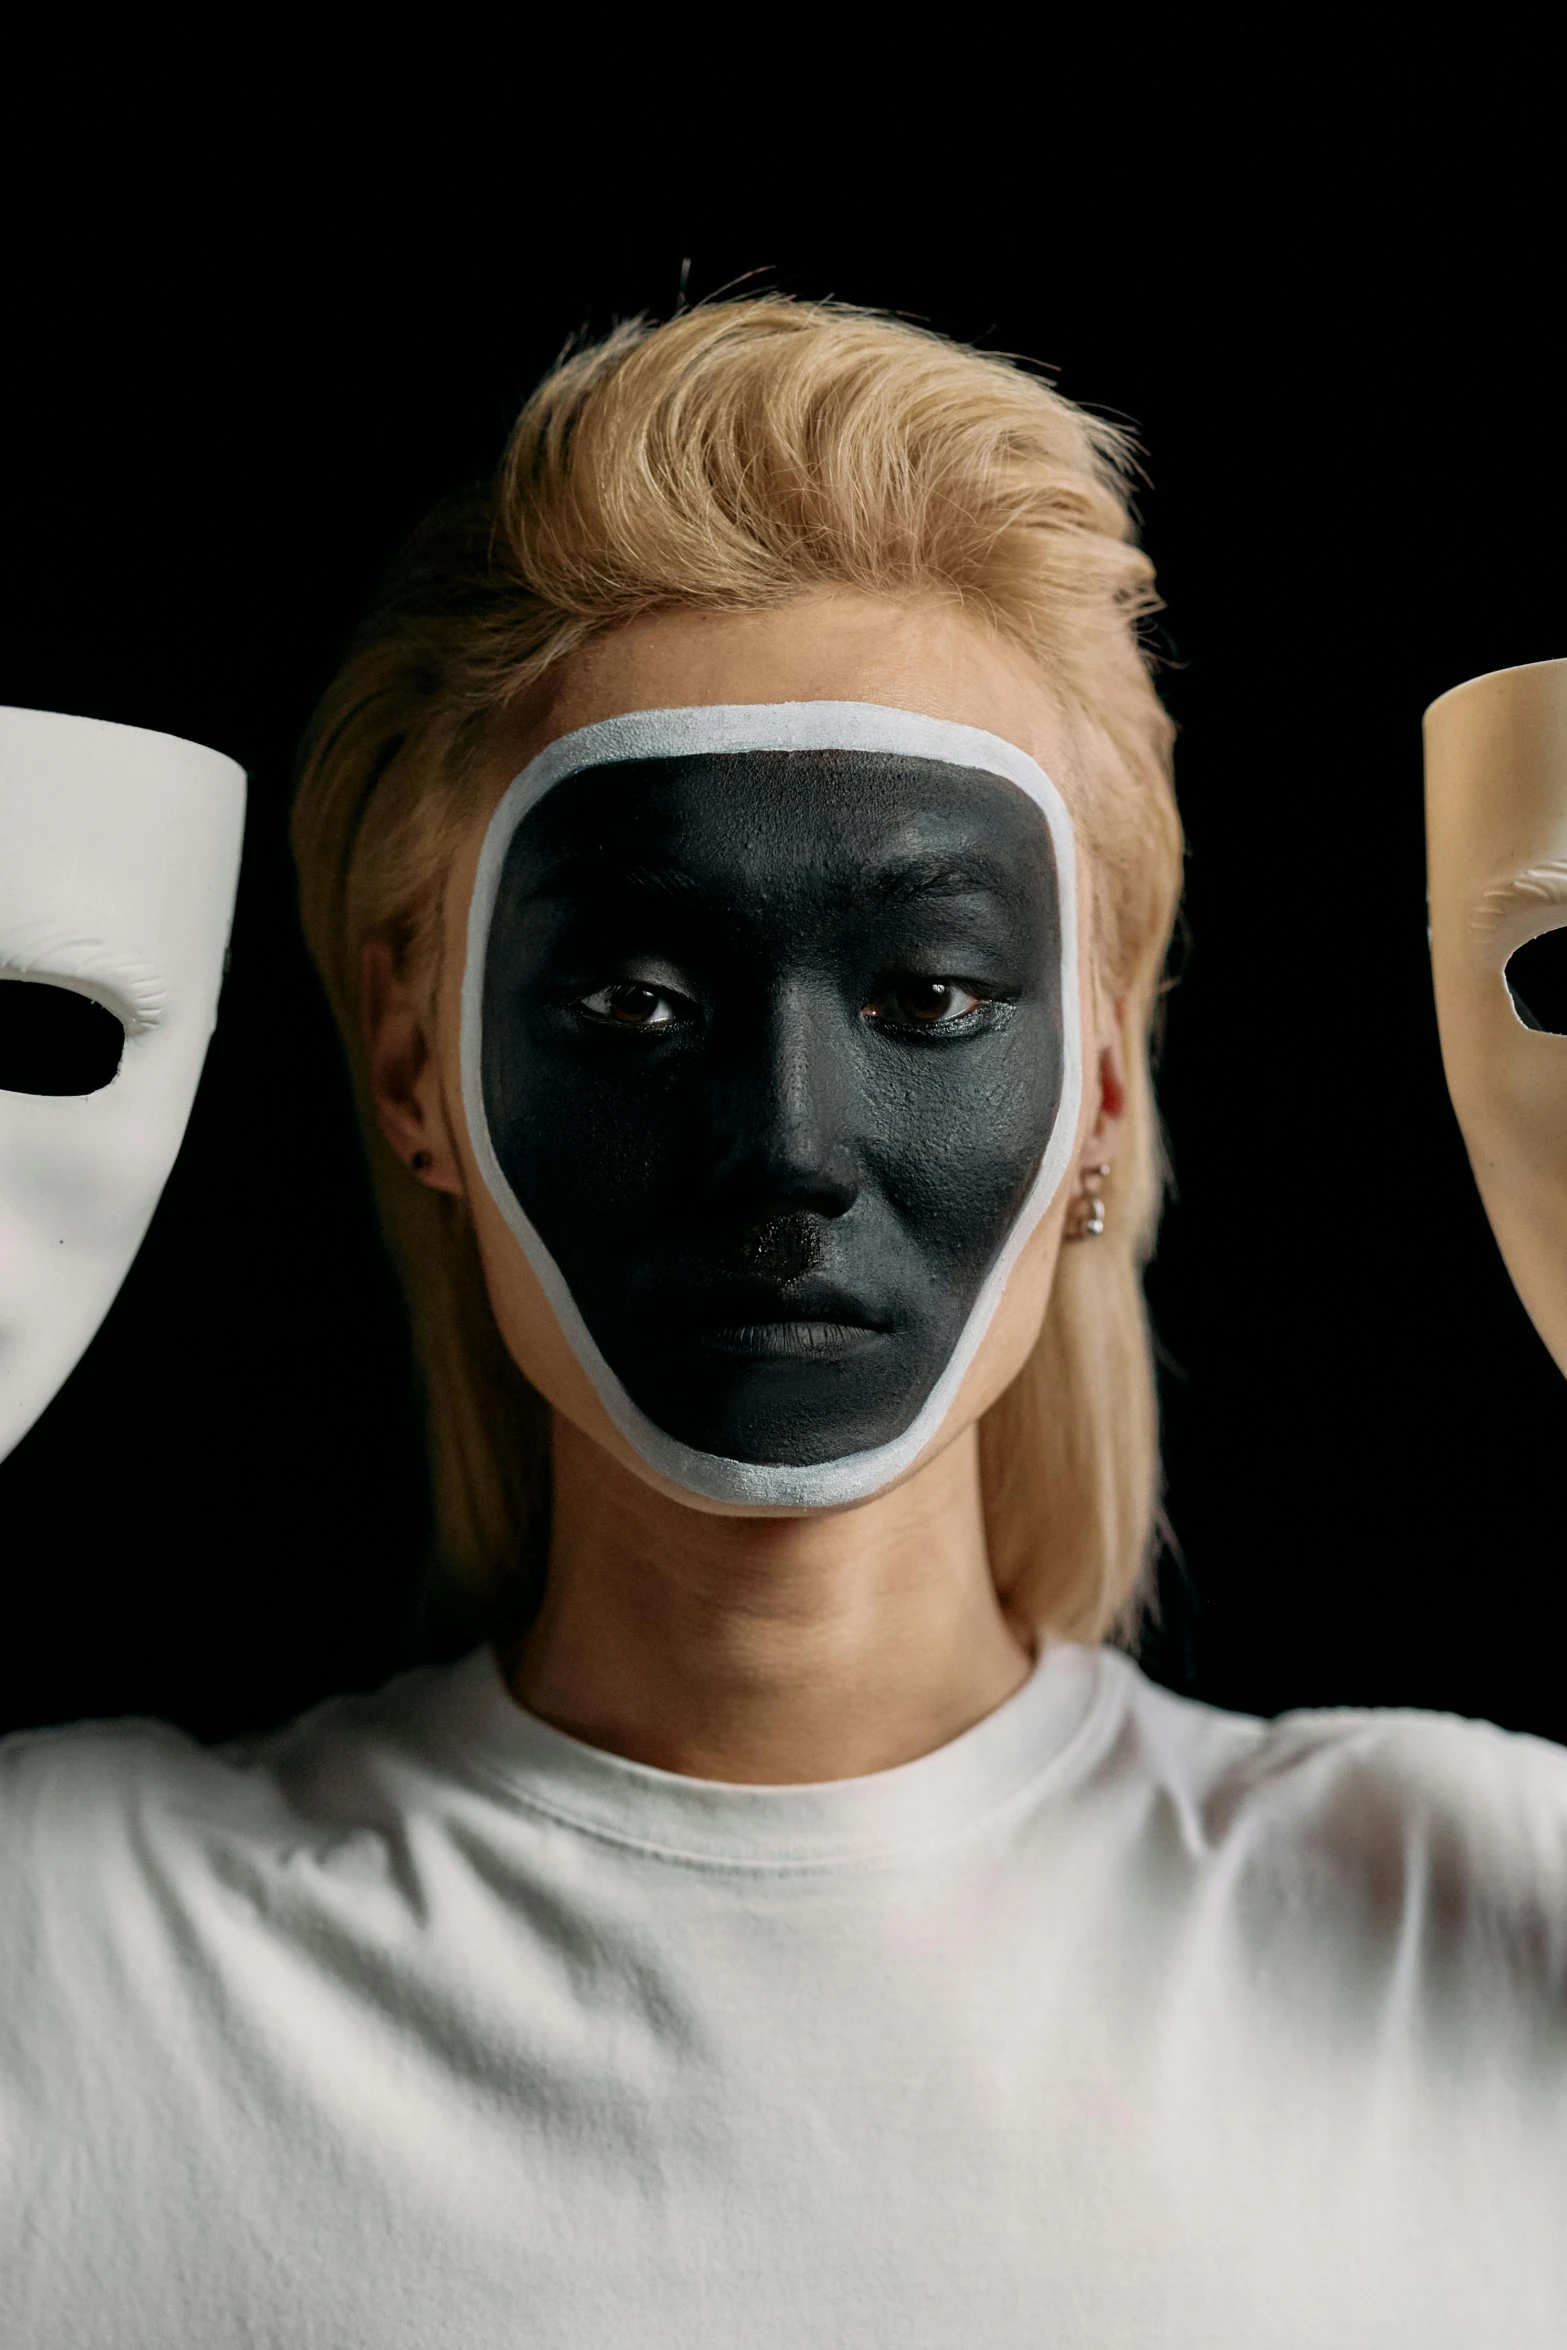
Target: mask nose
[[788, 1144]]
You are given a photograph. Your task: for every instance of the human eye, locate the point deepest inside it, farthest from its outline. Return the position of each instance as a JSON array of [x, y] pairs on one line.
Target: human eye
[[925, 1006], [634, 1003]]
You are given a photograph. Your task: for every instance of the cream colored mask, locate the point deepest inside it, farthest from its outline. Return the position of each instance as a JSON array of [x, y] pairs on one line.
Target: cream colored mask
[[119, 853], [1496, 835]]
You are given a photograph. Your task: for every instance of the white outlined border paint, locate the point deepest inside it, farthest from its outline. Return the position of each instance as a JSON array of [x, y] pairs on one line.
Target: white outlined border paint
[[772, 726]]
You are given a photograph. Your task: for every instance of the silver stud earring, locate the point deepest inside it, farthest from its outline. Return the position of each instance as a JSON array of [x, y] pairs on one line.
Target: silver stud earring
[[1085, 1218]]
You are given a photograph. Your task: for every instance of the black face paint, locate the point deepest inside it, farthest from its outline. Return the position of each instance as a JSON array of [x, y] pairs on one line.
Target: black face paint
[[772, 1048]]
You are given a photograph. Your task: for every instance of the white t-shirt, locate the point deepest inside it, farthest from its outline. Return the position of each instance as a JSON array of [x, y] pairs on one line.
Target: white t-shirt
[[1118, 2020]]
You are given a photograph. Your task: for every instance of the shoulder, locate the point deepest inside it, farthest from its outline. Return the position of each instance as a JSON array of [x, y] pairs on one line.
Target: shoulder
[[1366, 1779], [1458, 1821], [1441, 1837], [84, 1864], [91, 1809], [61, 1788], [1382, 1768]]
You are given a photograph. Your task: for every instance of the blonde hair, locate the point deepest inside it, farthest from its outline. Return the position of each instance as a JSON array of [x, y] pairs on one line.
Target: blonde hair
[[729, 460]]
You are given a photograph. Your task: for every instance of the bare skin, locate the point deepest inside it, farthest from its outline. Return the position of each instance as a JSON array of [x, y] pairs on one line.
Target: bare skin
[[785, 1647]]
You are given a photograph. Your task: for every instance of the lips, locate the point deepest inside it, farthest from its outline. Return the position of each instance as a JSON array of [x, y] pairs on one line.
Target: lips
[[797, 1322], [791, 1342]]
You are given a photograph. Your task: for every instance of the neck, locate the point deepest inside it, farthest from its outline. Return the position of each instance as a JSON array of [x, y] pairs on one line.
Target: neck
[[767, 1650]]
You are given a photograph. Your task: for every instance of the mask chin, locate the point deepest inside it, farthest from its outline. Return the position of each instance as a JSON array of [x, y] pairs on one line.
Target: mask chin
[[771, 1063], [119, 854]]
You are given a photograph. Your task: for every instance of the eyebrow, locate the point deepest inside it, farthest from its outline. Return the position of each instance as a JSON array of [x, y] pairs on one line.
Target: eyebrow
[[938, 877], [584, 873]]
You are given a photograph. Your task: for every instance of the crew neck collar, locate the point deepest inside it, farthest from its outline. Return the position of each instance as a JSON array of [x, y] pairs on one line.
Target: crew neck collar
[[1045, 1727]]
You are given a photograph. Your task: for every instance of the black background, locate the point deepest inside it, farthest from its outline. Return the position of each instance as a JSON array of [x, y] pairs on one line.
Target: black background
[[224, 410]]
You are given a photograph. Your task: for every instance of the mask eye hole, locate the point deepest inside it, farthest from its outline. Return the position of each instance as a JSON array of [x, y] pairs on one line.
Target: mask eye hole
[[1537, 982], [54, 1041]]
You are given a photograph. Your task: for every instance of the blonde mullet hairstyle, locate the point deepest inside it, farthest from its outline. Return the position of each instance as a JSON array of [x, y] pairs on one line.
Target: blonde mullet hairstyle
[[730, 460]]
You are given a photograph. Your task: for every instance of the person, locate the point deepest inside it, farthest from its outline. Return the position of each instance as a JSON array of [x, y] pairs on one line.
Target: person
[[740, 851]]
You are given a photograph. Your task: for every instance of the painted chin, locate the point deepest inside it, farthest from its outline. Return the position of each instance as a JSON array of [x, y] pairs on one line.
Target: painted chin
[[780, 1372]]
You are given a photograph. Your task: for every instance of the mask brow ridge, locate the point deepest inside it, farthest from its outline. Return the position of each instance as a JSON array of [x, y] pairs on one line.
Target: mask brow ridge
[[48, 952], [1537, 885]]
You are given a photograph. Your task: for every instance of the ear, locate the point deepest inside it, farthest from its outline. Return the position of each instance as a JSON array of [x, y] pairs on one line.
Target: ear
[[405, 1072], [1103, 1137]]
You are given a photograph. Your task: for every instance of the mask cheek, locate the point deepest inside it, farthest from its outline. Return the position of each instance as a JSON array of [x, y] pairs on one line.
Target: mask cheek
[[1508, 1081], [77, 1173], [71, 1219], [53, 1296], [79, 1181]]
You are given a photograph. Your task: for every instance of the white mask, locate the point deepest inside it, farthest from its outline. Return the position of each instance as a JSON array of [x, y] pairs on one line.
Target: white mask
[[1496, 833], [119, 854]]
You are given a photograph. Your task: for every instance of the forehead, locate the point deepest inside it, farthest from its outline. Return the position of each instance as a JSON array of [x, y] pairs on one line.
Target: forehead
[[750, 824]]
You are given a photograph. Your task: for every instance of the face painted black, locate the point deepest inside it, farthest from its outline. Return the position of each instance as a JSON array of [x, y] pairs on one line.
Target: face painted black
[[772, 1050]]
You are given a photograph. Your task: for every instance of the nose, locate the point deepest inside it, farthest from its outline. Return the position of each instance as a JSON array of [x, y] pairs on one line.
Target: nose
[[787, 1119]]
